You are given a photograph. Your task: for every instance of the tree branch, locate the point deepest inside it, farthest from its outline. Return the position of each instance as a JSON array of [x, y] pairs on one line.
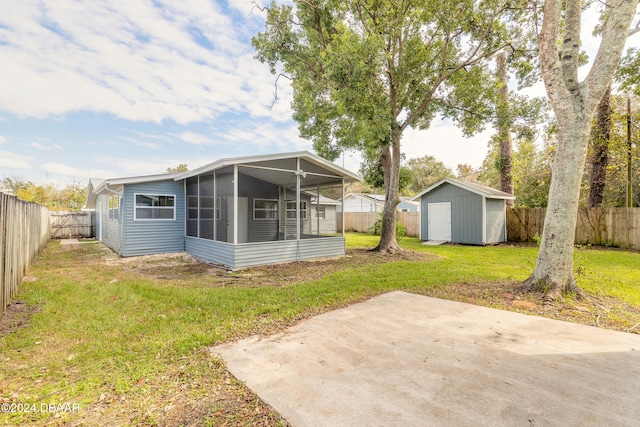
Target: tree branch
[[275, 91]]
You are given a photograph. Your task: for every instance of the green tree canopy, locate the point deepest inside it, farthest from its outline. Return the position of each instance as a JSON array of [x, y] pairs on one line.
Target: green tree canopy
[[426, 171], [364, 71], [180, 168]]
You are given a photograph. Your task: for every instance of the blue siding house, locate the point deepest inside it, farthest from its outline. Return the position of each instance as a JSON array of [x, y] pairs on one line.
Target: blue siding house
[[463, 212], [235, 212]]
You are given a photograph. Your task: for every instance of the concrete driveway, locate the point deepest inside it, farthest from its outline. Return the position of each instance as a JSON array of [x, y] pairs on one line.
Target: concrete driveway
[[401, 359]]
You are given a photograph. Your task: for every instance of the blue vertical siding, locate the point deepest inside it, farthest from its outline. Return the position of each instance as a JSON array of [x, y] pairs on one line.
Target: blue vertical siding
[[144, 237], [110, 227]]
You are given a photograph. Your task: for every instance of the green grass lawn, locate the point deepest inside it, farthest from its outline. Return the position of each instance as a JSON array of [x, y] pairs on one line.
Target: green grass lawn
[[122, 345]]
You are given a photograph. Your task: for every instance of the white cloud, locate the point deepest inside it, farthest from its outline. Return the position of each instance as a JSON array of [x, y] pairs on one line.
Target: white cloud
[[3, 140], [152, 145], [196, 138], [39, 146], [15, 161], [59, 169], [143, 166], [143, 61]]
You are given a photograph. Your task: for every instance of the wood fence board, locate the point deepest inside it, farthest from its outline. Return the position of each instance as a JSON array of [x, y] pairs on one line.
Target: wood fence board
[[617, 227], [65, 225], [362, 222], [24, 230]]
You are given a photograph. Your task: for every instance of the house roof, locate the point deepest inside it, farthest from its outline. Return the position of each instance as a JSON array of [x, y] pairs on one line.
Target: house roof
[[99, 185], [276, 168], [315, 169], [482, 190]]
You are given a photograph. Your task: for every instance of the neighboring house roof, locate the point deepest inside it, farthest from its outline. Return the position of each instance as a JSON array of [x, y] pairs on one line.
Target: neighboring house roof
[[482, 190], [90, 202], [376, 198], [334, 171], [325, 201]]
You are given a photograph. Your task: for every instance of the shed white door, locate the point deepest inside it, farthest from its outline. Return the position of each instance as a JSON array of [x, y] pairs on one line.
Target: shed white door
[[439, 226]]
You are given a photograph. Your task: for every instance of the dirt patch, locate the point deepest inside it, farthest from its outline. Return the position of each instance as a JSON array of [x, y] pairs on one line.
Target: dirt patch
[[16, 316], [185, 268], [595, 310]]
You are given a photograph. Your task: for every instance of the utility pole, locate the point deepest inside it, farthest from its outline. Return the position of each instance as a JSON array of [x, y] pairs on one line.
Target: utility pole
[[629, 175]]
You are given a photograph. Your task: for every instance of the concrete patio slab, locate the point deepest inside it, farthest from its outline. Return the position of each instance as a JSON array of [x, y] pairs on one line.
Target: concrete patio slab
[[69, 242], [405, 360]]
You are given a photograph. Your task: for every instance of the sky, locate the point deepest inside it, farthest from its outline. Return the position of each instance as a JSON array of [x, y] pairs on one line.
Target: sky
[[105, 89]]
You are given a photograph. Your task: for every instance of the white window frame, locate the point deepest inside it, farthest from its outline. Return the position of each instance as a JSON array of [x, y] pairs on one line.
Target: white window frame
[[265, 210], [191, 209], [321, 211], [135, 206], [217, 215], [113, 204], [303, 209]]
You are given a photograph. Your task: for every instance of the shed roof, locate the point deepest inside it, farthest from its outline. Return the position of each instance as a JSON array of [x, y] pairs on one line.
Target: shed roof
[[474, 187]]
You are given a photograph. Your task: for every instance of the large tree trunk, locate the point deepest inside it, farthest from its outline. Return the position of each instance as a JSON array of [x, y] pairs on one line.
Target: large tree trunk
[[574, 104], [554, 269], [390, 161], [600, 159], [504, 127]]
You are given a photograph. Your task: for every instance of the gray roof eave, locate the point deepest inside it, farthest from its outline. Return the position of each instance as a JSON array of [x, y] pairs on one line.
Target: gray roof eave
[[319, 161]]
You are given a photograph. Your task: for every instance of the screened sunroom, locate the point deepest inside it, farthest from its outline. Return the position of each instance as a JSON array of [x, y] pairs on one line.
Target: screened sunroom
[[262, 209]]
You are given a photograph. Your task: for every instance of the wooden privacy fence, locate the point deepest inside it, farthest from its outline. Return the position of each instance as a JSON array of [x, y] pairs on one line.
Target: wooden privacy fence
[[619, 227], [24, 230], [65, 225], [363, 221]]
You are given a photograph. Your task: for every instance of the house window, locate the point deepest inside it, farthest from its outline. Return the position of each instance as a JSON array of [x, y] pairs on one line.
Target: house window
[[207, 208], [291, 210], [154, 207], [265, 209], [320, 213], [192, 207], [114, 207]]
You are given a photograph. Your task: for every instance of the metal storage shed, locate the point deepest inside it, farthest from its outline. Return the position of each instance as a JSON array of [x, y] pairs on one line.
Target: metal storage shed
[[463, 212]]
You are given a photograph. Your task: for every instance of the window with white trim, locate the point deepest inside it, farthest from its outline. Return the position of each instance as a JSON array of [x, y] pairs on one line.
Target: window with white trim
[[320, 212], [291, 210], [114, 207], [154, 207], [265, 209], [207, 208]]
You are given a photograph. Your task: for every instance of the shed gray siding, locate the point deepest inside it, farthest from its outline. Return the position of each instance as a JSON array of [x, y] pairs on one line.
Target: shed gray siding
[[110, 227], [466, 213], [144, 237], [496, 229]]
